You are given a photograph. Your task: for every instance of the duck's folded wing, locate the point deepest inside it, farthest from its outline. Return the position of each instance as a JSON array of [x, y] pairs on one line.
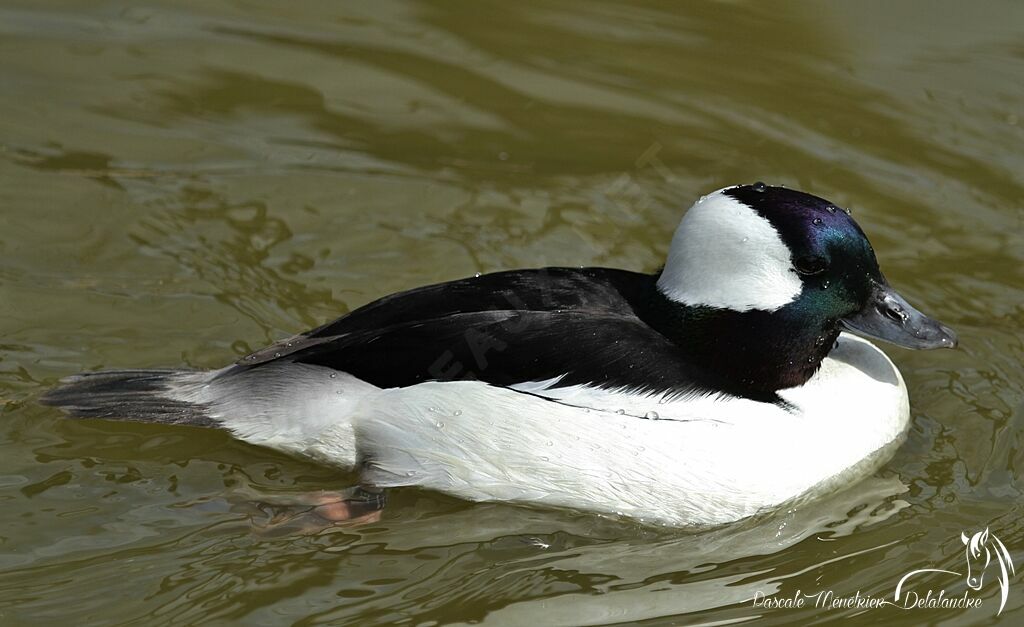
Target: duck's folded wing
[[507, 348], [577, 325], [597, 291]]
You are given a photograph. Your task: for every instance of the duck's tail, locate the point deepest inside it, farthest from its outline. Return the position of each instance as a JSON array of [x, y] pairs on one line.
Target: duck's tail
[[135, 395]]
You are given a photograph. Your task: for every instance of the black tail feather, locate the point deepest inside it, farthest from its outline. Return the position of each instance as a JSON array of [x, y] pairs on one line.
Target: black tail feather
[[136, 395]]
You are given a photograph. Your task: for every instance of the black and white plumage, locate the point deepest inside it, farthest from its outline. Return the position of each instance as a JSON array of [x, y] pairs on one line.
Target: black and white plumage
[[716, 388]]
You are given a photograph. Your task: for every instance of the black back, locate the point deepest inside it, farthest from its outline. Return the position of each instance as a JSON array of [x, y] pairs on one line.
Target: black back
[[592, 326]]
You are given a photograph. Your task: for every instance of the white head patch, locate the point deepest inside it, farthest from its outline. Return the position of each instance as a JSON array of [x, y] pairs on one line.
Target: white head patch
[[725, 255]]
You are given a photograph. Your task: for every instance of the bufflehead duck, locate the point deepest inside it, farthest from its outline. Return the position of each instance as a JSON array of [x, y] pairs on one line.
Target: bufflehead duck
[[722, 386]]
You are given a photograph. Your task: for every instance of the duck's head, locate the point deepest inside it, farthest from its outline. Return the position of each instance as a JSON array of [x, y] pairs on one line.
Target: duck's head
[[759, 258]]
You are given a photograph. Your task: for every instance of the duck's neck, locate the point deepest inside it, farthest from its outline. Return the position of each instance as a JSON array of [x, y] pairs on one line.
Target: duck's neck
[[753, 353]]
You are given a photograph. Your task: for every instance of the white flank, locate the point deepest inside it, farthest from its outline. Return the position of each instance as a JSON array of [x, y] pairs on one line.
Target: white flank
[[725, 255], [699, 461]]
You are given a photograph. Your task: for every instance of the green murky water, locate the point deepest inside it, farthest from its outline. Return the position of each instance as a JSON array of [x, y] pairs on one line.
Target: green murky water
[[181, 182]]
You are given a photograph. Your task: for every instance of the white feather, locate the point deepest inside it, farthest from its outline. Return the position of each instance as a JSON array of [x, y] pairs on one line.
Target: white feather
[[298, 408], [725, 255]]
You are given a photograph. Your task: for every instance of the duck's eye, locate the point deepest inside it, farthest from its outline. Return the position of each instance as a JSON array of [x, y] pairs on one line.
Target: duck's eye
[[810, 265]]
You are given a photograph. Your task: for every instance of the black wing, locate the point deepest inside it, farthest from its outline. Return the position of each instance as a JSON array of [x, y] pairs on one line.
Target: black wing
[[584, 325]]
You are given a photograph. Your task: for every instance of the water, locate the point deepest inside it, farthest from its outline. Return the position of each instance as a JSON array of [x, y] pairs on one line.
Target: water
[[181, 183]]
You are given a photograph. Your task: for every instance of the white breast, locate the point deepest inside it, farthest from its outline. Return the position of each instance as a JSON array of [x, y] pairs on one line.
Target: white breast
[[704, 461]]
